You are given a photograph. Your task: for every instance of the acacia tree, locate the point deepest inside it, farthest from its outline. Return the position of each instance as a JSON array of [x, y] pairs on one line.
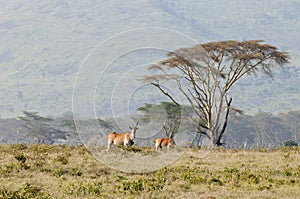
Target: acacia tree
[[173, 116], [205, 73]]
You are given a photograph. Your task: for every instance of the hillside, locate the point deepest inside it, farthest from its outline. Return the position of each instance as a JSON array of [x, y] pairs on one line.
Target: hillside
[[265, 94], [43, 44]]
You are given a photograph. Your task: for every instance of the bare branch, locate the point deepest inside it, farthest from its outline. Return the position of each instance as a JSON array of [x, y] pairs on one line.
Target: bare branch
[[165, 93]]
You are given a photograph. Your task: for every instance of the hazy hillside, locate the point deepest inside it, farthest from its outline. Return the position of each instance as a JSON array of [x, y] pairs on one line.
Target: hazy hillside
[[264, 94], [42, 44]]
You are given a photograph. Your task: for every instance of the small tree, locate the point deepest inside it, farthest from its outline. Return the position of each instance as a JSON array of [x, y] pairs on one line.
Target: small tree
[[170, 123], [173, 111], [205, 73]]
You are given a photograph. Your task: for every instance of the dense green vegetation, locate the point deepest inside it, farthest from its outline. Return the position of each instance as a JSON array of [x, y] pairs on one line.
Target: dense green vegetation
[[52, 171]]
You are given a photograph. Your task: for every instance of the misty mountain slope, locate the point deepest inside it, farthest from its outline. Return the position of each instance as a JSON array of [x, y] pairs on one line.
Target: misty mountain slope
[[273, 21], [264, 94], [42, 44]]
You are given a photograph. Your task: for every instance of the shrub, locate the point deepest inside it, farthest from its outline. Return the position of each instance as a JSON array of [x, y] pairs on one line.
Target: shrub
[[142, 184], [290, 143], [76, 172], [84, 189], [26, 191], [59, 172], [9, 168], [21, 158], [63, 159]]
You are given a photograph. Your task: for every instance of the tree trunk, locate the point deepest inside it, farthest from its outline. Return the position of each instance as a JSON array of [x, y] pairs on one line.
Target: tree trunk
[[218, 142]]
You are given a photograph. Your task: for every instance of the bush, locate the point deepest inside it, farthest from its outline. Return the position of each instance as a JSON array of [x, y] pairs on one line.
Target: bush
[[26, 191], [63, 159], [21, 158], [290, 143]]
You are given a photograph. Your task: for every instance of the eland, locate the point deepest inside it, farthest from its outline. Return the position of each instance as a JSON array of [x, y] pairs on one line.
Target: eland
[[126, 139], [166, 142]]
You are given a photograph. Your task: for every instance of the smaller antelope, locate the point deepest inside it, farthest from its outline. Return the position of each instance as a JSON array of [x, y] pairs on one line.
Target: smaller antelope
[[125, 139], [165, 142]]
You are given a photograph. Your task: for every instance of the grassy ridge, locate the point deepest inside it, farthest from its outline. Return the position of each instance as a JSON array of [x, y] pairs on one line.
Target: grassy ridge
[[48, 171]]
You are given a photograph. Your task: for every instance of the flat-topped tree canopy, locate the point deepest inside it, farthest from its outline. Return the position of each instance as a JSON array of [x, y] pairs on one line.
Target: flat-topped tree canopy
[[231, 58], [210, 70]]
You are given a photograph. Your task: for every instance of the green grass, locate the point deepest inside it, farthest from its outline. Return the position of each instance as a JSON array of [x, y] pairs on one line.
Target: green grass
[[48, 171]]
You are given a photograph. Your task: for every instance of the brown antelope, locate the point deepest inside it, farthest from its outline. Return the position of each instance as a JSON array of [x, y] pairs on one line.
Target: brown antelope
[[126, 139], [165, 142]]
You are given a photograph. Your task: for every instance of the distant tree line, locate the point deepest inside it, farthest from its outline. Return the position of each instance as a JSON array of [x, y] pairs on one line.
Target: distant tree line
[[263, 130], [41, 130], [243, 131]]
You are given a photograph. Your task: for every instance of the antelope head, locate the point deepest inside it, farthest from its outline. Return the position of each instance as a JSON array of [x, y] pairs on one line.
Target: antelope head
[[133, 130]]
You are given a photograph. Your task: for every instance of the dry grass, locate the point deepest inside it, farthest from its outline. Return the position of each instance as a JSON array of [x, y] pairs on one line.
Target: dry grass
[[47, 171]]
